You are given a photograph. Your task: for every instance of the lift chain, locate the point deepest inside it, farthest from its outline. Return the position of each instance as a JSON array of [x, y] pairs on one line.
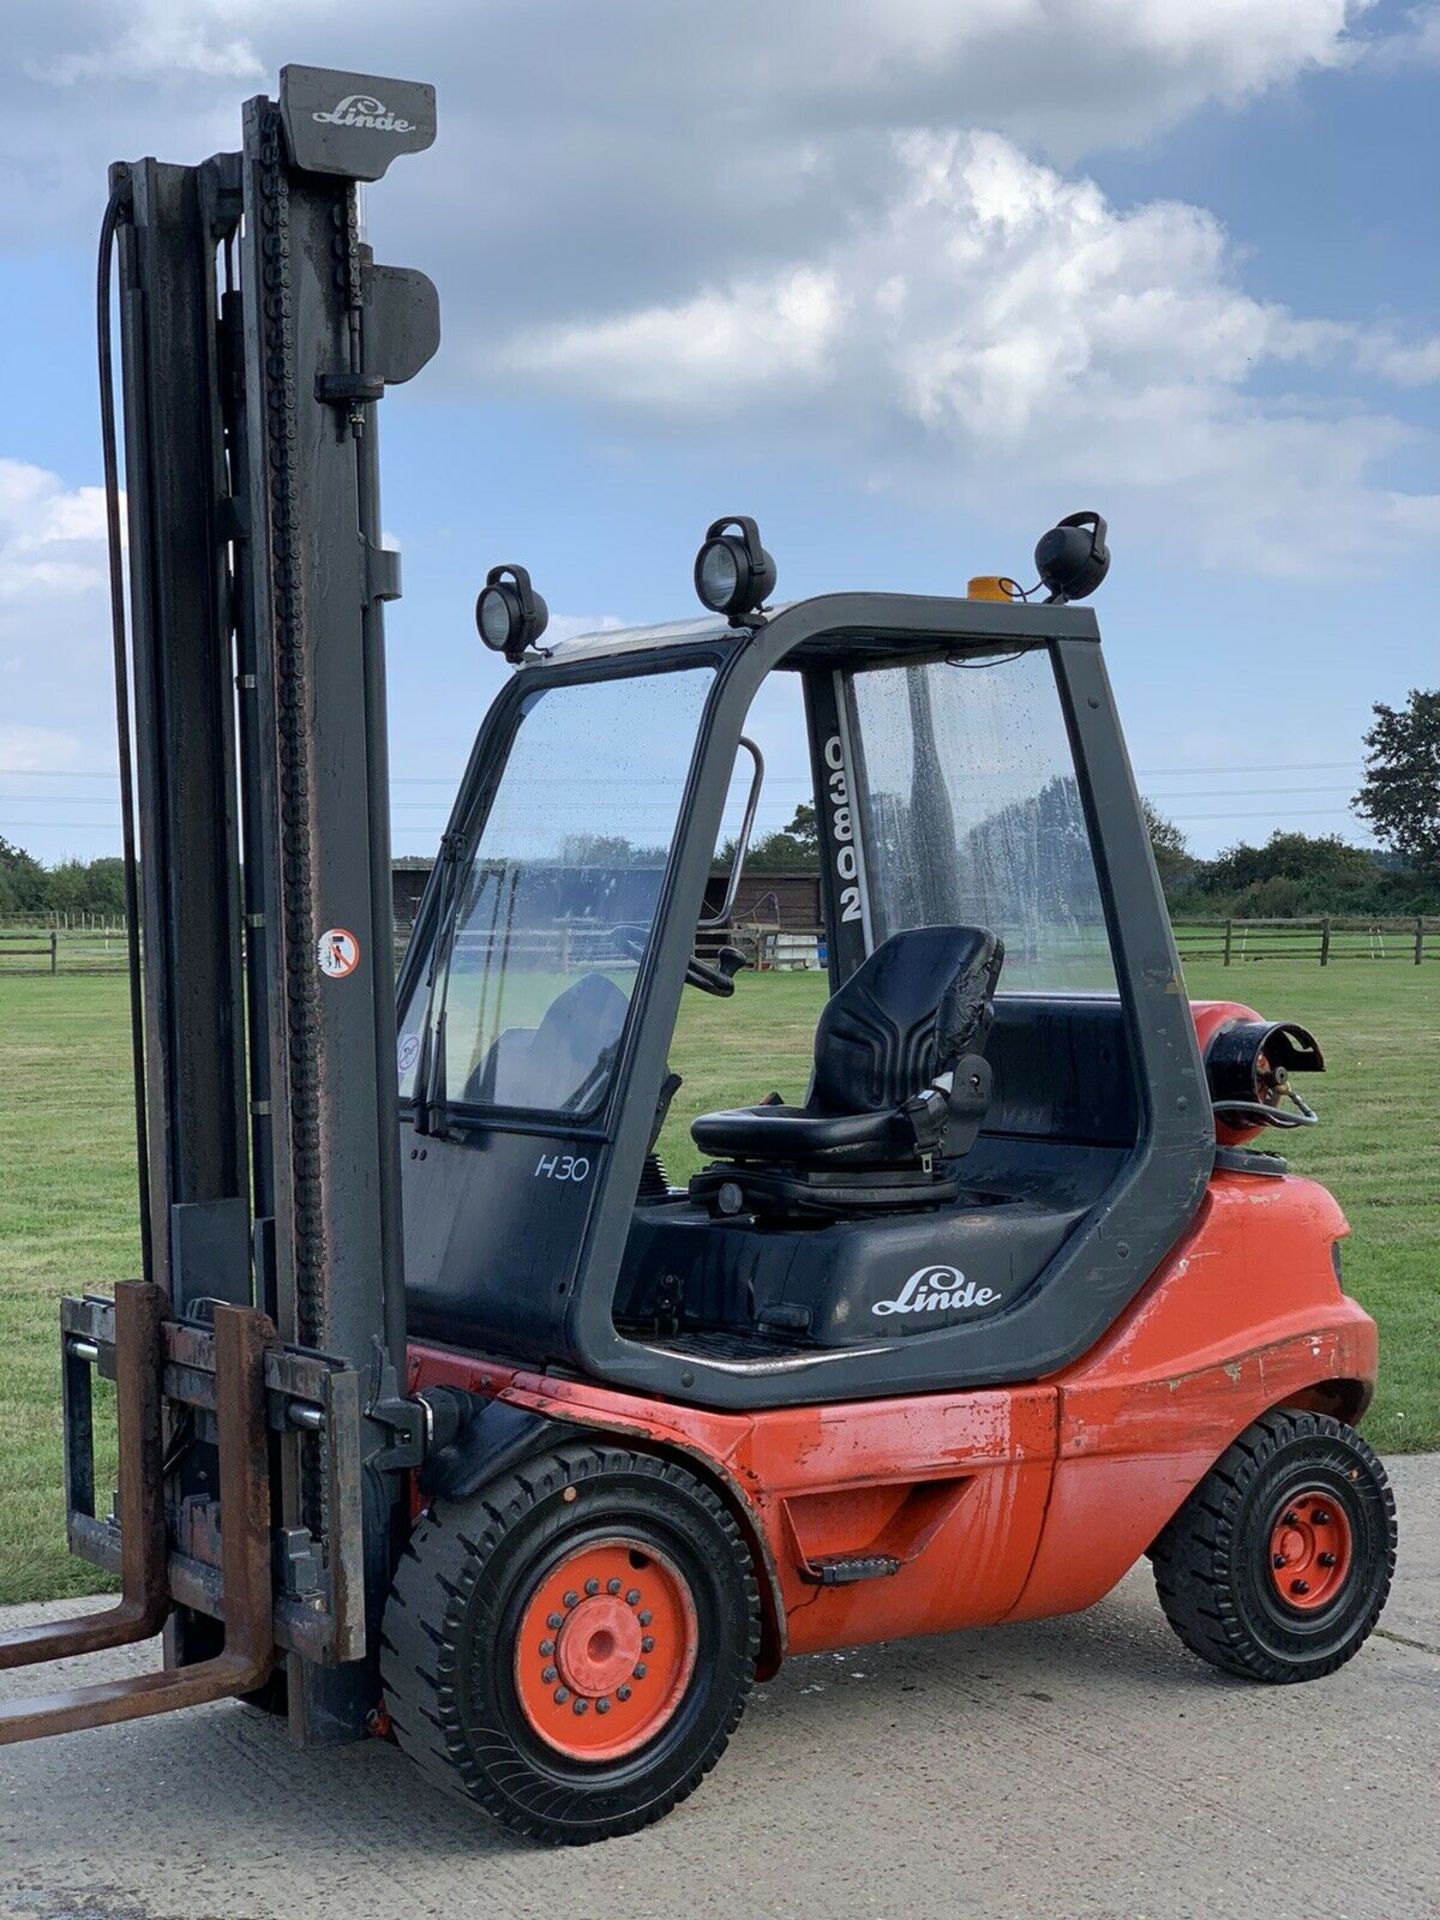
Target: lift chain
[[292, 703]]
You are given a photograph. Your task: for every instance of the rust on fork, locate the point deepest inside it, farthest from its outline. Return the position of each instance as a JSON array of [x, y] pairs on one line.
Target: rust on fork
[[241, 1337]]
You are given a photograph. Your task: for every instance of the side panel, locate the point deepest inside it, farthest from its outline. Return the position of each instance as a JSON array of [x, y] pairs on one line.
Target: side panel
[[493, 1235], [952, 1487], [1247, 1315]]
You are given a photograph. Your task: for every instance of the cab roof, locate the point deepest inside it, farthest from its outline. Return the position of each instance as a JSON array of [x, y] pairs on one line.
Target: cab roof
[[817, 624]]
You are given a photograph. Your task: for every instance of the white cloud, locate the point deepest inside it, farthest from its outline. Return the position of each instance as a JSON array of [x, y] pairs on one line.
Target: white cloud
[[1415, 43], [655, 123], [54, 653], [1406, 363], [159, 40], [995, 322], [754, 335], [51, 537], [610, 212]]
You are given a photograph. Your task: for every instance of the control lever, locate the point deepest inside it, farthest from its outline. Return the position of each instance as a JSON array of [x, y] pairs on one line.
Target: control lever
[[719, 979]]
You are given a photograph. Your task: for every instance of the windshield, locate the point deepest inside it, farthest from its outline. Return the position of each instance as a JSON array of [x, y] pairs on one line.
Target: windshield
[[972, 815], [552, 910]]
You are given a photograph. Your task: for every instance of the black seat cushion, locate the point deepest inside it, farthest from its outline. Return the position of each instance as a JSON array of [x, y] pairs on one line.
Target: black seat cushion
[[918, 1004], [799, 1135]]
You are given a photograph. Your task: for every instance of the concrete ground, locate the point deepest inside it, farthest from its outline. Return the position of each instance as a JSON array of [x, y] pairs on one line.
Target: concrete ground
[[1082, 1769]]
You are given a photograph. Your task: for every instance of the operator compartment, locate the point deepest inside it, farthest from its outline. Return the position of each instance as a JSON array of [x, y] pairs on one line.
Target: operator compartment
[[961, 1154], [1058, 1129], [972, 1093]]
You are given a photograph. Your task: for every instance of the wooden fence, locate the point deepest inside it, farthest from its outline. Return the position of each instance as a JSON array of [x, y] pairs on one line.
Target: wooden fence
[[25, 949], [1228, 943], [1234, 943], [25, 952]]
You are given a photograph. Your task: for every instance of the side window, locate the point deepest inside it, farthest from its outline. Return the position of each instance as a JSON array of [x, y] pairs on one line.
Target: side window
[[774, 915], [555, 903], [972, 814]]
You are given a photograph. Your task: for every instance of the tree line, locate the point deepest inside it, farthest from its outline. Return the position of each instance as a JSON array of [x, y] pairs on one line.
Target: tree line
[[1291, 875], [1300, 875], [74, 887]]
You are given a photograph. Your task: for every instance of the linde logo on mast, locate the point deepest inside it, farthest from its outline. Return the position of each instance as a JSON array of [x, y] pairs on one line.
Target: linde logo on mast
[[364, 110], [933, 1290]]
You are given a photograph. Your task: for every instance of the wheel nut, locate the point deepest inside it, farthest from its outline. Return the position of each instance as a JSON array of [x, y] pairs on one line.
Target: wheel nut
[[602, 1706], [592, 1586], [639, 1670], [562, 1694], [647, 1645], [581, 1705], [645, 1618], [632, 1598], [1320, 1518], [1290, 1519], [547, 1646], [1277, 1559], [1299, 1586], [548, 1674], [623, 1693], [612, 1586], [1327, 1559], [555, 1620], [572, 1599]]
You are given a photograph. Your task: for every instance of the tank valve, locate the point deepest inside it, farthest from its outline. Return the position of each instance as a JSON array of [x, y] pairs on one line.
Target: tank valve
[[1250, 1065]]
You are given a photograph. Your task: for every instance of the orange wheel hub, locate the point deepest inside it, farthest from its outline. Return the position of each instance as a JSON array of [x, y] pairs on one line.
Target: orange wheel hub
[[1311, 1550], [606, 1648]]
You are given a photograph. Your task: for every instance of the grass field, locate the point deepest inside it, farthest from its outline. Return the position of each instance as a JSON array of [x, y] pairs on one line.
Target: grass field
[[68, 1210]]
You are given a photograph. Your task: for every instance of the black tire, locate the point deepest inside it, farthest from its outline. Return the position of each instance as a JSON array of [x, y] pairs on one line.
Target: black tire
[[452, 1644], [1225, 1590]]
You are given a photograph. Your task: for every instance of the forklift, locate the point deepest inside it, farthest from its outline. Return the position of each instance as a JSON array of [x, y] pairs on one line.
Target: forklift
[[444, 1416]]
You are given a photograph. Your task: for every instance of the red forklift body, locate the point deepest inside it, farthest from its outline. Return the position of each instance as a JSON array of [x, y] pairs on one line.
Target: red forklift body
[[1021, 1502]]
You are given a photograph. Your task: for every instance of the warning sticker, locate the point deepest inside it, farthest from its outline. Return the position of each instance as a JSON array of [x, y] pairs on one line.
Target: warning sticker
[[407, 1052], [337, 953]]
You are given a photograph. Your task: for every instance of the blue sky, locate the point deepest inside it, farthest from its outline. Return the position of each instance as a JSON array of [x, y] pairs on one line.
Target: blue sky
[[928, 278]]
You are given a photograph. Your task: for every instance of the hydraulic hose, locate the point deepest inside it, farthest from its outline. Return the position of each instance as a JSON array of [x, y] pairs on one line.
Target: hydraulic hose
[[117, 208]]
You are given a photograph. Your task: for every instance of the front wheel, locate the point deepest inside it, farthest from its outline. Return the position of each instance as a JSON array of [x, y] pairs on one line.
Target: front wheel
[[1278, 1565], [572, 1647]]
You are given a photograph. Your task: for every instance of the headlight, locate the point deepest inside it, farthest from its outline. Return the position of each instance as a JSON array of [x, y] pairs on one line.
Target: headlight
[[1072, 558], [734, 575], [719, 575], [509, 615]]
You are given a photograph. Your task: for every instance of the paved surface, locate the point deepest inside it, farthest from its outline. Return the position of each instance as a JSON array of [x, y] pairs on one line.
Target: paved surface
[[1086, 1769]]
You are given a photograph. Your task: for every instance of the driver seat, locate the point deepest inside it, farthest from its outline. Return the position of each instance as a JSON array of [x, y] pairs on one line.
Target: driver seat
[[900, 1085]]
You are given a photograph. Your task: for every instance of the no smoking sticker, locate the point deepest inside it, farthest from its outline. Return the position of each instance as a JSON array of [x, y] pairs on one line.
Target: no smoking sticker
[[337, 953]]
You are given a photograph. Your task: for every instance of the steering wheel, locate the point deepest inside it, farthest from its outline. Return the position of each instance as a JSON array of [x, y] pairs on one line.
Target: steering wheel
[[719, 979]]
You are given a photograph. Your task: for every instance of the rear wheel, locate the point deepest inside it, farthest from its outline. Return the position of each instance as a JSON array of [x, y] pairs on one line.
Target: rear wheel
[[572, 1647], [1278, 1565]]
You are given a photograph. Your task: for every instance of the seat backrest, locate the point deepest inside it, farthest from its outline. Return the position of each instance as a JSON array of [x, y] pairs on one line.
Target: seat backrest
[[921, 1000], [556, 1065]]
